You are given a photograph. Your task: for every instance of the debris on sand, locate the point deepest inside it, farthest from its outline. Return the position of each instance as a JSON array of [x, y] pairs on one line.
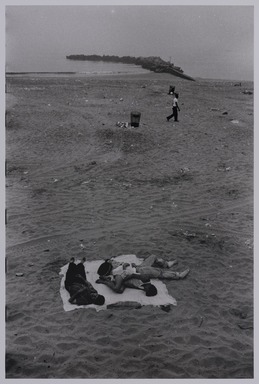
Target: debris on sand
[[19, 274], [246, 92], [122, 124]]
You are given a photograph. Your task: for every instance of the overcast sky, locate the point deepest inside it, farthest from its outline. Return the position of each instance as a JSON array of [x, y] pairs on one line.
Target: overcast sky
[[205, 41]]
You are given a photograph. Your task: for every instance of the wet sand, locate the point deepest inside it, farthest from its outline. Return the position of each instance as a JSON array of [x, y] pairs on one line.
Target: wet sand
[[179, 190]]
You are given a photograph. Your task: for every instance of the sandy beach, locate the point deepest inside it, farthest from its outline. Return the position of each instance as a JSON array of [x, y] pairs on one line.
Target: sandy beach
[[177, 190]]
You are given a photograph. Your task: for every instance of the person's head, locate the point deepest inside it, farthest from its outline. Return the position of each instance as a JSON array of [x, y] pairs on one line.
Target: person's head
[[150, 289], [100, 300], [105, 268], [176, 95]]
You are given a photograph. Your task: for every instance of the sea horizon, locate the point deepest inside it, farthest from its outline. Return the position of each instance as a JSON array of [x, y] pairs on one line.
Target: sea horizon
[[62, 65], [104, 73]]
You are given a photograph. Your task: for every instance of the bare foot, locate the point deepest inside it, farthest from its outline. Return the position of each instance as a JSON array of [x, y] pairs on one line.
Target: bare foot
[[171, 263], [183, 274]]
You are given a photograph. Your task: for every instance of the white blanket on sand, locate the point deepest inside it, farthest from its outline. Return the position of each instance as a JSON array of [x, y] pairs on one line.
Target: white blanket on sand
[[129, 298]]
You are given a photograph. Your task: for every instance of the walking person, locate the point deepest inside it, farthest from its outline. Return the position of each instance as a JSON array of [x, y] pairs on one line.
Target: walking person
[[175, 108]]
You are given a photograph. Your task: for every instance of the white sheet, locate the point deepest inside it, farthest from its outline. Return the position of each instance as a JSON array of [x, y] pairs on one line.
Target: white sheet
[[128, 296]]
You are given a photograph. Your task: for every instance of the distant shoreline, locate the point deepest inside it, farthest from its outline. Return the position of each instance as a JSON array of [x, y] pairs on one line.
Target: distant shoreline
[[40, 72], [76, 73], [53, 73]]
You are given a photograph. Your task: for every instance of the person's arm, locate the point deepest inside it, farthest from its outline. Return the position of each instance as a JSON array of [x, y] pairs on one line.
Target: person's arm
[[177, 106], [82, 280], [144, 278], [74, 296], [133, 276]]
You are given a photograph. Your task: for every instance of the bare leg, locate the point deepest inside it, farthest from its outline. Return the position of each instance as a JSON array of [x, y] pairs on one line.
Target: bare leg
[[161, 263], [158, 262], [149, 261], [171, 263], [170, 275]]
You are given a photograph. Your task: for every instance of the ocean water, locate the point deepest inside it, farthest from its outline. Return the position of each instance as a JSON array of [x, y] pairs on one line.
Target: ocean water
[[63, 65], [59, 64]]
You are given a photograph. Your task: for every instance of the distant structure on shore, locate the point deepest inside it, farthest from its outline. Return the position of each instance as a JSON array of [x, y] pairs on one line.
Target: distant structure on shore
[[152, 63]]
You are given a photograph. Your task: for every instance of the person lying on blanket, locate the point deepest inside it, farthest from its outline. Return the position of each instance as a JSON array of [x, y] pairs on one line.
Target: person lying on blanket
[[126, 275], [80, 290]]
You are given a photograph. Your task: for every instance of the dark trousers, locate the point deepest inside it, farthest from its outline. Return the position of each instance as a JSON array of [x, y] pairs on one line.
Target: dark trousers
[[72, 271], [174, 114]]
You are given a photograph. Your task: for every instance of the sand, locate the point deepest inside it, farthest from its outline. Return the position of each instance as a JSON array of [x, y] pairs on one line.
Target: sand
[[79, 185]]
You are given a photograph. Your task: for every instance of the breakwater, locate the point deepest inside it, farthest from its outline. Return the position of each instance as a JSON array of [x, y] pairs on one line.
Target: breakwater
[[152, 63]]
